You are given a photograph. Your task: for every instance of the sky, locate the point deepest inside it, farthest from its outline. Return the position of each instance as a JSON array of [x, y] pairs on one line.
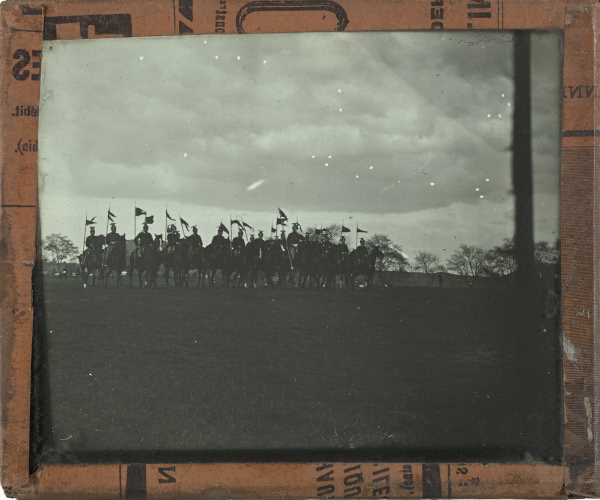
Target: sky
[[400, 133]]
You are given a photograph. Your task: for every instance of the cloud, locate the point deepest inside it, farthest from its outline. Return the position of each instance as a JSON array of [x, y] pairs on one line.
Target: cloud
[[181, 126]]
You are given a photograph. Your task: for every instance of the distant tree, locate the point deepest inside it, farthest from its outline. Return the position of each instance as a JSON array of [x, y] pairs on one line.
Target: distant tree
[[500, 261], [393, 258], [429, 264], [546, 253], [468, 261], [59, 248]]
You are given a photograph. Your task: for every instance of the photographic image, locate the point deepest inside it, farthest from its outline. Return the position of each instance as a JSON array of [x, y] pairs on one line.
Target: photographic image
[[299, 247]]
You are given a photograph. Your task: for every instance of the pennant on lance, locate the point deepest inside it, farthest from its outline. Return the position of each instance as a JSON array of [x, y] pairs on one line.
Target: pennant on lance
[[360, 230], [139, 211], [345, 229], [223, 228], [280, 222], [282, 215], [248, 226], [168, 216], [184, 224], [88, 222], [149, 219], [110, 216]]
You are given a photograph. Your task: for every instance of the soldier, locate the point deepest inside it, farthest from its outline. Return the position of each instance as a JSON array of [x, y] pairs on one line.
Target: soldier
[[251, 238], [194, 239], [90, 241], [112, 239], [343, 246], [260, 235], [143, 241], [219, 243], [90, 244], [293, 240], [362, 252], [172, 239], [238, 243]]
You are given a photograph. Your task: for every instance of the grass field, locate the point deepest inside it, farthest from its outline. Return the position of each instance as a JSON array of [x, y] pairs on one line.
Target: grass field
[[392, 373]]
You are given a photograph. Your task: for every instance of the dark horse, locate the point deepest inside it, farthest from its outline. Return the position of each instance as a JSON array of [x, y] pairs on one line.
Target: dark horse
[[90, 260], [218, 259], [277, 260], [176, 259], [239, 266], [197, 260], [336, 266], [255, 260], [115, 261], [146, 260], [365, 267], [306, 263]]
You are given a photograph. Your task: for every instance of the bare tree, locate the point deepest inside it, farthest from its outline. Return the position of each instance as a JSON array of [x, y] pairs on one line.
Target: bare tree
[[500, 260], [393, 258], [59, 247], [429, 264], [468, 261]]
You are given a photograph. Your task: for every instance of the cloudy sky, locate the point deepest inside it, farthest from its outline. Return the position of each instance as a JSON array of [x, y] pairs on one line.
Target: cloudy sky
[[406, 134]]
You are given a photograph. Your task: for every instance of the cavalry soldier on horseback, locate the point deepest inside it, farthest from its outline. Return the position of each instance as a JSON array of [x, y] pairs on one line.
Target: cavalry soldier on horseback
[[293, 240], [219, 243], [362, 252], [143, 241], [194, 240], [112, 239], [343, 247], [92, 239], [91, 243], [238, 243], [172, 239]]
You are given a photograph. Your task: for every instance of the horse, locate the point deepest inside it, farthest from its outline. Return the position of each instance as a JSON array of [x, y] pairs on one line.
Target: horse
[[239, 266], [365, 267], [305, 263], [197, 260], [115, 261], [218, 259], [90, 260], [146, 260], [176, 259], [336, 260], [255, 259], [277, 260]]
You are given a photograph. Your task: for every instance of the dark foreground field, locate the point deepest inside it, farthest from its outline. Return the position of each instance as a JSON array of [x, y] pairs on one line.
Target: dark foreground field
[[396, 373]]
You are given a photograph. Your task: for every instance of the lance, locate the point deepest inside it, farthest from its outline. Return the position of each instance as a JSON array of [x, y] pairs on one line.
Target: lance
[[84, 233], [182, 230], [244, 229], [134, 218], [107, 218]]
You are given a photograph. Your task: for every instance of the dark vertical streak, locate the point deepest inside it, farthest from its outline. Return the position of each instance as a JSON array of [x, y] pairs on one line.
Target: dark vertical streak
[[522, 165], [175, 18], [449, 483]]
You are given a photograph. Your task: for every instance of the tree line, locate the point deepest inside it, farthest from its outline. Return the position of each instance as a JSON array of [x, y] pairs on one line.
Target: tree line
[[470, 261]]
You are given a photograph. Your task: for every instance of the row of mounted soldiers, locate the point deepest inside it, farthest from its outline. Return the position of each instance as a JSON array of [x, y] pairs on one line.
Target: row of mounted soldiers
[[317, 261]]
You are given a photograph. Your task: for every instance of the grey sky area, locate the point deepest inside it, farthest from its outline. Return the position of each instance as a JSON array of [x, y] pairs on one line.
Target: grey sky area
[[406, 134]]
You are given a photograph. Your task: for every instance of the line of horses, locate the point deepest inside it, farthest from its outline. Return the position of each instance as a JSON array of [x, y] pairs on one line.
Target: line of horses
[[314, 265]]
